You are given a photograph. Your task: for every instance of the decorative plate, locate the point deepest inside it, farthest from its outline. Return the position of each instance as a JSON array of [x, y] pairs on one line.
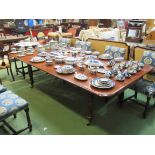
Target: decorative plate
[[102, 83], [20, 55], [37, 59], [95, 63], [105, 57], [81, 77]]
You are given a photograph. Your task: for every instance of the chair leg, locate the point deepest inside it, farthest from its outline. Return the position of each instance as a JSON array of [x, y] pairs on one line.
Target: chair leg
[[7, 70], [146, 107], [12, 74], [136, 93], [23, 71], [16, 65], [15, 116], [28, 119]]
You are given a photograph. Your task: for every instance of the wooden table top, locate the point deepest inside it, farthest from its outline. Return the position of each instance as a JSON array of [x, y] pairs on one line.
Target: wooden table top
[[9, 39], [119, 86]]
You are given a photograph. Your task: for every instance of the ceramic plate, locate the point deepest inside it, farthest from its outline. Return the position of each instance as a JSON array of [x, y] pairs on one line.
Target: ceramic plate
[[107, 84], [37, 59], [96, 63], [81, 77], [21, 55], [105, 57]]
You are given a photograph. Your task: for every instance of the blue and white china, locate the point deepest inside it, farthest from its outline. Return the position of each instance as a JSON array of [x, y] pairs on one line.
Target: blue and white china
[[88, 52], [20, 53], [13, 49], [95, 63], [49, 62], [59, 59], [111, 63], [37, 59], [105, 56], [119, 59], [81, 77], [120, 77], [132, 70], [101, 70], [66, 69], [126, 73], [70, 60], [102, 83], [93, 69], [108, 74], [42, 54], [90, 56], [47, 46], [140, 64]]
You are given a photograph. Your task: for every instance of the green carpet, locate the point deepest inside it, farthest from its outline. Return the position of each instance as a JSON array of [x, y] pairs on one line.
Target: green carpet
[[60, 108]]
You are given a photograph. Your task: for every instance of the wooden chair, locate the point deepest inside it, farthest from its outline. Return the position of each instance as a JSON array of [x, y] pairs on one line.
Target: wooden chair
[[5, 62], [146, 85]]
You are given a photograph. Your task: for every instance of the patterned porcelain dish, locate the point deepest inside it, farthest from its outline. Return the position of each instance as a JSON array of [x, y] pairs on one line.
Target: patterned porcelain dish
[[126, 73], [90, 56], [120, 77], [43, 54], [105, 56], [88, 52], [21, 55], [102, 83], [37, 59], [70, 60], [101, 70], [111, 63], [66, 69], [95, 63], [59, 59], [81, 77], [49, 62], [119, 59]]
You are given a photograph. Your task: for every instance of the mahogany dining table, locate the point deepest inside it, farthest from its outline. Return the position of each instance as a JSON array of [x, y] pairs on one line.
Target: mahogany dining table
[[118, 89]]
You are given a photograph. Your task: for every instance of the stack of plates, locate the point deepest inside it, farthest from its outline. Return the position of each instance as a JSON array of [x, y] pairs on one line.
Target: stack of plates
[[66, 69], [37, 59], [43, 54], [102, 83]]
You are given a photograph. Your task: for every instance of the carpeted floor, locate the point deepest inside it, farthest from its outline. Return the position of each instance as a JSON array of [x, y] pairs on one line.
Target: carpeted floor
[[60, 108]]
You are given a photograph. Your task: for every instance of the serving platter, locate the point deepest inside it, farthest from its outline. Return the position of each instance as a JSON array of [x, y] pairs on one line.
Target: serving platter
[[37, 59], [105, 84], [96, 63]]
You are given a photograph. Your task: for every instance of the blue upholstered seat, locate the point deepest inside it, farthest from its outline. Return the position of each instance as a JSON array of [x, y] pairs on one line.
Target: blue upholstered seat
[[10, 103], [115, 51], [2, 88]]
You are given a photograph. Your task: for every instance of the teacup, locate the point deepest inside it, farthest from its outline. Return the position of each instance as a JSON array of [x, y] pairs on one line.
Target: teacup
[[13, 49]]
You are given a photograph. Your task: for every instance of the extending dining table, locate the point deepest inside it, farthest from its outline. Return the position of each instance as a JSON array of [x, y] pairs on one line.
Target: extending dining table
[[118, 89]]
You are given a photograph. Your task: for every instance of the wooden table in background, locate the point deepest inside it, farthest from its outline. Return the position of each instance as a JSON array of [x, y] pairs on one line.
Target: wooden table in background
[[106, 93]]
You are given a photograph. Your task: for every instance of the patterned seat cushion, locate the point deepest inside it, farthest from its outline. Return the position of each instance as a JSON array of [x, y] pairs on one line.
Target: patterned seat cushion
[[2, 88], [10, 103], [83, 44], [149, 59], [144, 86], [115, 51]]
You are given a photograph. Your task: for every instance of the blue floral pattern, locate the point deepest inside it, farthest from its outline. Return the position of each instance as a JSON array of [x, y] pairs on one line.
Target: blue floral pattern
[[2, 88], [115, 51], [84, 45], [10, 103], [66, 41], [148, 58]]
